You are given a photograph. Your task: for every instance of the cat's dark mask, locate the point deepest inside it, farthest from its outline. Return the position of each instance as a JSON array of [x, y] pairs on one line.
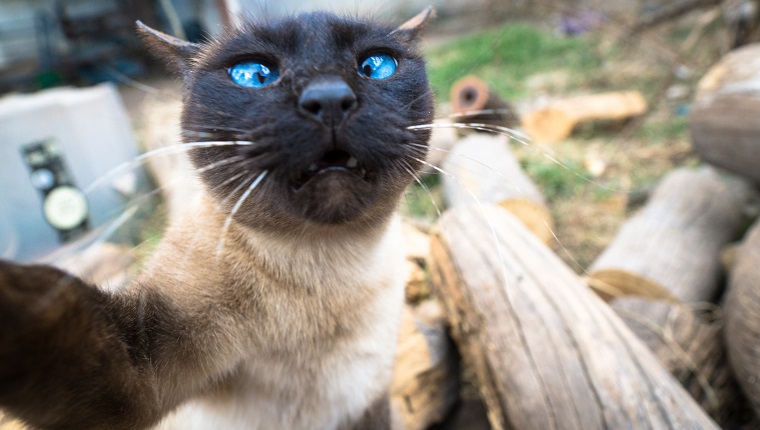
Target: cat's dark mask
[[327, 102]]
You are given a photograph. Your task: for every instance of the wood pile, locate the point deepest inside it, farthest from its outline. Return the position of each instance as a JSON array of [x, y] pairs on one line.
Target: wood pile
[[548, 353], [660, 344]]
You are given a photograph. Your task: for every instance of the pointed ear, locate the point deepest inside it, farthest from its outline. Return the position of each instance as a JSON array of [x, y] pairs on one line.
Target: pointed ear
[[175, 53], [412, 28]]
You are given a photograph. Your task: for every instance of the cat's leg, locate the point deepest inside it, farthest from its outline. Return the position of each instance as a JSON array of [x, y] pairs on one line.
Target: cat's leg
[[75, 357]]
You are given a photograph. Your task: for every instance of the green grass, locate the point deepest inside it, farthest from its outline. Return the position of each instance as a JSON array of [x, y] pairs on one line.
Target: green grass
[[556, 181], [524, 62], [507, 56], [663, 130], [424, 203]]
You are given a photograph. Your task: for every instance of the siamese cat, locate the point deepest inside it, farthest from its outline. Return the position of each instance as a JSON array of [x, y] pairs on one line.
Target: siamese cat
[[274, 303]]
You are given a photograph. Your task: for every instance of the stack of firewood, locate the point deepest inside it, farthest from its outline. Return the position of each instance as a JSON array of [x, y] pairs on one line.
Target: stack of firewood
[[649, 337]]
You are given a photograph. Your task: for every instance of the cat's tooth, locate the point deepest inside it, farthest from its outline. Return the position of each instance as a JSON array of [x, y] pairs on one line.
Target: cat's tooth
[[352, 162], [363, 172]]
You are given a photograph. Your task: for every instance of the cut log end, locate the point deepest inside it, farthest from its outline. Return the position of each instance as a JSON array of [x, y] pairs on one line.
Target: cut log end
[[469, 94], [723, 122], [472, 101]]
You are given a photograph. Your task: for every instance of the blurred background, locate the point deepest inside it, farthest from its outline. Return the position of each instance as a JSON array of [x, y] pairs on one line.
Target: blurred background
[[110, 101]]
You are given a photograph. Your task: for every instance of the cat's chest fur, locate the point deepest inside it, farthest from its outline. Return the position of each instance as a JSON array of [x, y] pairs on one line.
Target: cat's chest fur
[[314, 323]]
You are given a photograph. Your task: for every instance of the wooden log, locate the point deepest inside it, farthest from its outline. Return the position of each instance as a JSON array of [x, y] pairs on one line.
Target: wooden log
[[548, 353], [482, 168], [556, 120], [472, 101], [689, 343], [723, 122], [671, 249], [742, 310], [426, 380]]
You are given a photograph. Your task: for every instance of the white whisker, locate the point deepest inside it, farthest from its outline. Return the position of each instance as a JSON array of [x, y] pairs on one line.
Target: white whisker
[[231, 160], [236, 189], [229, 181], [479, 112], [235, 209], [404, 165], [140, 159], [518, 136], [517, 188]]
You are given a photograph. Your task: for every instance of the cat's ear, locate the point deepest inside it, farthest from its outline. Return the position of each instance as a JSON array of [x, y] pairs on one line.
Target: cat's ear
[[412, 28], [176, 53]]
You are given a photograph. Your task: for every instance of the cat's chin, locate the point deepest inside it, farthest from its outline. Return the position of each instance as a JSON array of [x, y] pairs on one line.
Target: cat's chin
[[333, 176], [334, 196]]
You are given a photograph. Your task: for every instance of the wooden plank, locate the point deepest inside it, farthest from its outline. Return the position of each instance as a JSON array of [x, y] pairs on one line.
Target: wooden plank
[[548, 353]]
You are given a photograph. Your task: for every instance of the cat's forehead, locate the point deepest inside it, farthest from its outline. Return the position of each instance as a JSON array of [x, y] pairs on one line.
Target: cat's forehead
[[313, 30]]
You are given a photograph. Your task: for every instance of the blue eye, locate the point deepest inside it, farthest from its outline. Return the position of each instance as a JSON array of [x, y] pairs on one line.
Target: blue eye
[[253, 74], [378, 66]]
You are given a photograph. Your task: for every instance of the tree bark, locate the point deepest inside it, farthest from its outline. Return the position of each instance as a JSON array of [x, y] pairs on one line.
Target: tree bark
[[724, 125], [671, 249], [742, 309], [482, 169], [548, 353]]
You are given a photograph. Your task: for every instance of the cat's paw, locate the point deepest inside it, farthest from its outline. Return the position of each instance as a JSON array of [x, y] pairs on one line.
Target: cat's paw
[[38, 309]]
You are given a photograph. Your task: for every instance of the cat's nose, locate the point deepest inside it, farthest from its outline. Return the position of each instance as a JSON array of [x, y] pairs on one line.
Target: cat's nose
[[329, 101]]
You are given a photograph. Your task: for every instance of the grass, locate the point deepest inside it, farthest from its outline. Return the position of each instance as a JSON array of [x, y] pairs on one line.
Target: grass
[[523, 61], [556, 181], [505, 57], [662, 131]]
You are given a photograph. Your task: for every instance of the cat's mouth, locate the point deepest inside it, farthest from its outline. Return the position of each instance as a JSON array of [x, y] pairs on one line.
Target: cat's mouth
[[331, 161]]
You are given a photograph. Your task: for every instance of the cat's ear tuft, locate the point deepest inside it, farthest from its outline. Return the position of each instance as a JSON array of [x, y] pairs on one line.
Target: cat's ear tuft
[[175, 53], [412, 28]]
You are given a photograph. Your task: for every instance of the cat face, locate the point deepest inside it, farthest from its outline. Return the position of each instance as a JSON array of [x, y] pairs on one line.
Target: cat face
[[327, 103]]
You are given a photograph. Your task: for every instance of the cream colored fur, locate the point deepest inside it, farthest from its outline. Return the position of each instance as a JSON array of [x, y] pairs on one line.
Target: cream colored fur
[[296, 334]]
